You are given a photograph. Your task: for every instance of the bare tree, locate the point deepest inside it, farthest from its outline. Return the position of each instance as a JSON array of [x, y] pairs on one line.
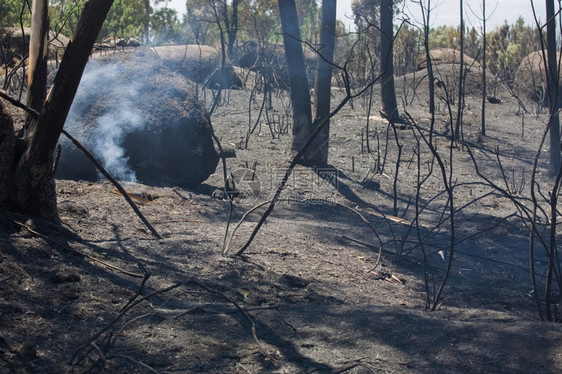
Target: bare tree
[[29, 184], [484, 78], [457, 133], [553, 86], [298, 79], [426, 13], [324, 67]]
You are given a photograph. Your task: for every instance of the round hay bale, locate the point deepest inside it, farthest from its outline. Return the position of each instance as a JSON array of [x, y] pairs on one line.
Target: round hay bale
[[12, 39], [443, 56], [530, 76], [269, 60], [141, 121], [196, 62], [447, 77]]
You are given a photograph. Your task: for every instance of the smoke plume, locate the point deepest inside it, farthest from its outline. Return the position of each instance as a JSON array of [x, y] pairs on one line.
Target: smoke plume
[[104, 112]]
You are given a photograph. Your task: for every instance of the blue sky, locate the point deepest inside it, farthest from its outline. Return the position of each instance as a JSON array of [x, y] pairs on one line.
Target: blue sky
[[446, 12]]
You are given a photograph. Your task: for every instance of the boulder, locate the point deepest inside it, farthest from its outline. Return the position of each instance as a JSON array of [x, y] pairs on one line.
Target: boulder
[[141, 121]]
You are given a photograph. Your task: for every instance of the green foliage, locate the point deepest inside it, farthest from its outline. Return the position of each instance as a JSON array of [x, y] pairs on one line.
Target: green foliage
[[64, 15], [309, 19], [166, 28], [508, 45], [127, 18], [10, 11], [443, 37], [366, 13]]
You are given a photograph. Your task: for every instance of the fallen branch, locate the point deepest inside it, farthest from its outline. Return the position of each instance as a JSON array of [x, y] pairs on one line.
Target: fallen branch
[[35, 114], [114, 182], [243, 312], [354, 211]]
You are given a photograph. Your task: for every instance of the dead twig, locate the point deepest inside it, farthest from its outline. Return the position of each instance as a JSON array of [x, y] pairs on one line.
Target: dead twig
[[136, 362], [114, 182], [243, 312], [352, 210], [35, 114], [449, 187]]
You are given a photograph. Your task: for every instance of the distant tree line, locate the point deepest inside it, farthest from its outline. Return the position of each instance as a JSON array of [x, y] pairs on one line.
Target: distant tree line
[[236, 22]]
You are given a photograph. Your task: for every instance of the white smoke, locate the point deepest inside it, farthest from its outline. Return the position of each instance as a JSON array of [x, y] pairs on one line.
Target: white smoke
[[113, 122], [109, 136]]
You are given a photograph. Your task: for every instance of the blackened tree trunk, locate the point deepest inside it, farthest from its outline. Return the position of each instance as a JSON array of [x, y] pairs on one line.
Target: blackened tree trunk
[[324, 67], [298, 80], [553, 87], [484, 78], [232, 27], [460, 103], [147, 12], [221, 33], [426, 13], [31, 186], [37, 69], [388, 92]]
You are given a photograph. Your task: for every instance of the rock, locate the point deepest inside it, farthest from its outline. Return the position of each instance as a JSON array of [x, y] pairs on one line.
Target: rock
[[133, 42], [447, 76], [27, 351], [64, 276], [141, 121]]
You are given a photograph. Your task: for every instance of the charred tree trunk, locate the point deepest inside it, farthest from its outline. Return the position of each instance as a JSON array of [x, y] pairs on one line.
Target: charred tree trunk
[[457, 134], [37, 69], [31, 188], [7, 154], [430, 77], [553, 85], [484, 78], [298, 80], [319, 148], [388, 92], [232, 28]]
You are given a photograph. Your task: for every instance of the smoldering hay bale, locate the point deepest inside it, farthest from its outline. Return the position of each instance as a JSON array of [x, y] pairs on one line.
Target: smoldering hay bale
[[141, 121]]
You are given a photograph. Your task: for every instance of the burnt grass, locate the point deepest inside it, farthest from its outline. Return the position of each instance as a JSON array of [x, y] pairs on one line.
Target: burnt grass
[[317, 291]]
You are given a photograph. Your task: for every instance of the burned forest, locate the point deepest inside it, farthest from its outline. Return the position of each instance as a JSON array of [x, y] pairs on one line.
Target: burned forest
[[265, 187]]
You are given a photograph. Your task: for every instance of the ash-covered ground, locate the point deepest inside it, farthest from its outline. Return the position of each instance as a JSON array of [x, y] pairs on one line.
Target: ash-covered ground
[[319, 290]]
